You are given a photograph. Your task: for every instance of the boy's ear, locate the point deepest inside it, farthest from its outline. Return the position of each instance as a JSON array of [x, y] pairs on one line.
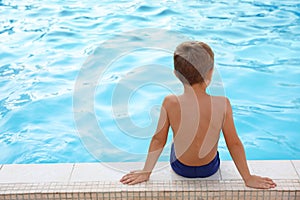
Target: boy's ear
[[210, 73], [209, 76], [174, 71]]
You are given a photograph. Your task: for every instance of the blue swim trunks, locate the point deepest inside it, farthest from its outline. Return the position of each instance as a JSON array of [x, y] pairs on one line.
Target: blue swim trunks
[[194, 171]]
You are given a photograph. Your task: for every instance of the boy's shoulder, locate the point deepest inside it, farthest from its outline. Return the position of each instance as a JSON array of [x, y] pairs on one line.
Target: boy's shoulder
[[222, 100], [171, 99], [222, 103]]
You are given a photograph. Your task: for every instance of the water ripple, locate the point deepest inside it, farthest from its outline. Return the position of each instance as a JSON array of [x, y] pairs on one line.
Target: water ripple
[[146, 8]]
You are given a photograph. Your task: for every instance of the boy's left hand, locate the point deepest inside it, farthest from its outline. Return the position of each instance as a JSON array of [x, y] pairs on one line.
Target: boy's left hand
[[135, 177]]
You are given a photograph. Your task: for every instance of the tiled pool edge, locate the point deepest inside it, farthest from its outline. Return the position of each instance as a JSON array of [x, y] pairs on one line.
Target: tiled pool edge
[[151, 190], [98, 181]]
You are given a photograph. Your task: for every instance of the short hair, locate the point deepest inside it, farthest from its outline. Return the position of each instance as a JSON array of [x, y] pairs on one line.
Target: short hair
[[192, 61]]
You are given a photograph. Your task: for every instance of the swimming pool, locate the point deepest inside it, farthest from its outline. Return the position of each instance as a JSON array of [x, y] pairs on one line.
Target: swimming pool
[[45, 44]]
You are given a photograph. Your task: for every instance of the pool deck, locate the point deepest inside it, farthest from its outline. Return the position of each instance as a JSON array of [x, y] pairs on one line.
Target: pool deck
[[101, 181]]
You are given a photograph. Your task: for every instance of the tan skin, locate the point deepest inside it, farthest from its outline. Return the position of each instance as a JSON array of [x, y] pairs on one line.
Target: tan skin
[[196, 140]]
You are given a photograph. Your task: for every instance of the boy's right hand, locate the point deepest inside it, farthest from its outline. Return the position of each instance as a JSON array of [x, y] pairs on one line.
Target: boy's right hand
[[260, 182], [135, 177]]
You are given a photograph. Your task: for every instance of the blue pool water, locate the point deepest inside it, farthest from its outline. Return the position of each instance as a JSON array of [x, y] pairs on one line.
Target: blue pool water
[[45, 44]]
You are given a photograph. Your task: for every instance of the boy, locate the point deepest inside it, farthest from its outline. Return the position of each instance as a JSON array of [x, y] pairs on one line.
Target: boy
[[196, 119]]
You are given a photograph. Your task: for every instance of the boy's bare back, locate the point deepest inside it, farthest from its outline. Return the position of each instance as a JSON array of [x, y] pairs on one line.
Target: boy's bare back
[[196, 121]]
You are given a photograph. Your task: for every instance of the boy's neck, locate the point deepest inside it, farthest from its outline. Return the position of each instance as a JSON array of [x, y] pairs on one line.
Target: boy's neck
[[198, 88]]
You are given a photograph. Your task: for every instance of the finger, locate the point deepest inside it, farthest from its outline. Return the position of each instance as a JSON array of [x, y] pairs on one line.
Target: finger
[[263, 180], [125, 177], [131, 175], [124, 180], [264, 186], [136, 181], [271, 186], [269, 181], [273, 183], [268, 186], [261, 184], [128, 181]]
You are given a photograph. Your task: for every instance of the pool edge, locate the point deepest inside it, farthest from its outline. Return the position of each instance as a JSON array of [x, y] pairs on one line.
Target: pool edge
[[101, 181]]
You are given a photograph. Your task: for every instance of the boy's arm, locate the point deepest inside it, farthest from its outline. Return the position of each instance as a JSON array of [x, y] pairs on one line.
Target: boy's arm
[[156, 146], [237, 153]]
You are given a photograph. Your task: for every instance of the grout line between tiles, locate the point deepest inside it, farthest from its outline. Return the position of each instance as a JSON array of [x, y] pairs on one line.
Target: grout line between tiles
[[70, 176], [221, 177], [295, 168]]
